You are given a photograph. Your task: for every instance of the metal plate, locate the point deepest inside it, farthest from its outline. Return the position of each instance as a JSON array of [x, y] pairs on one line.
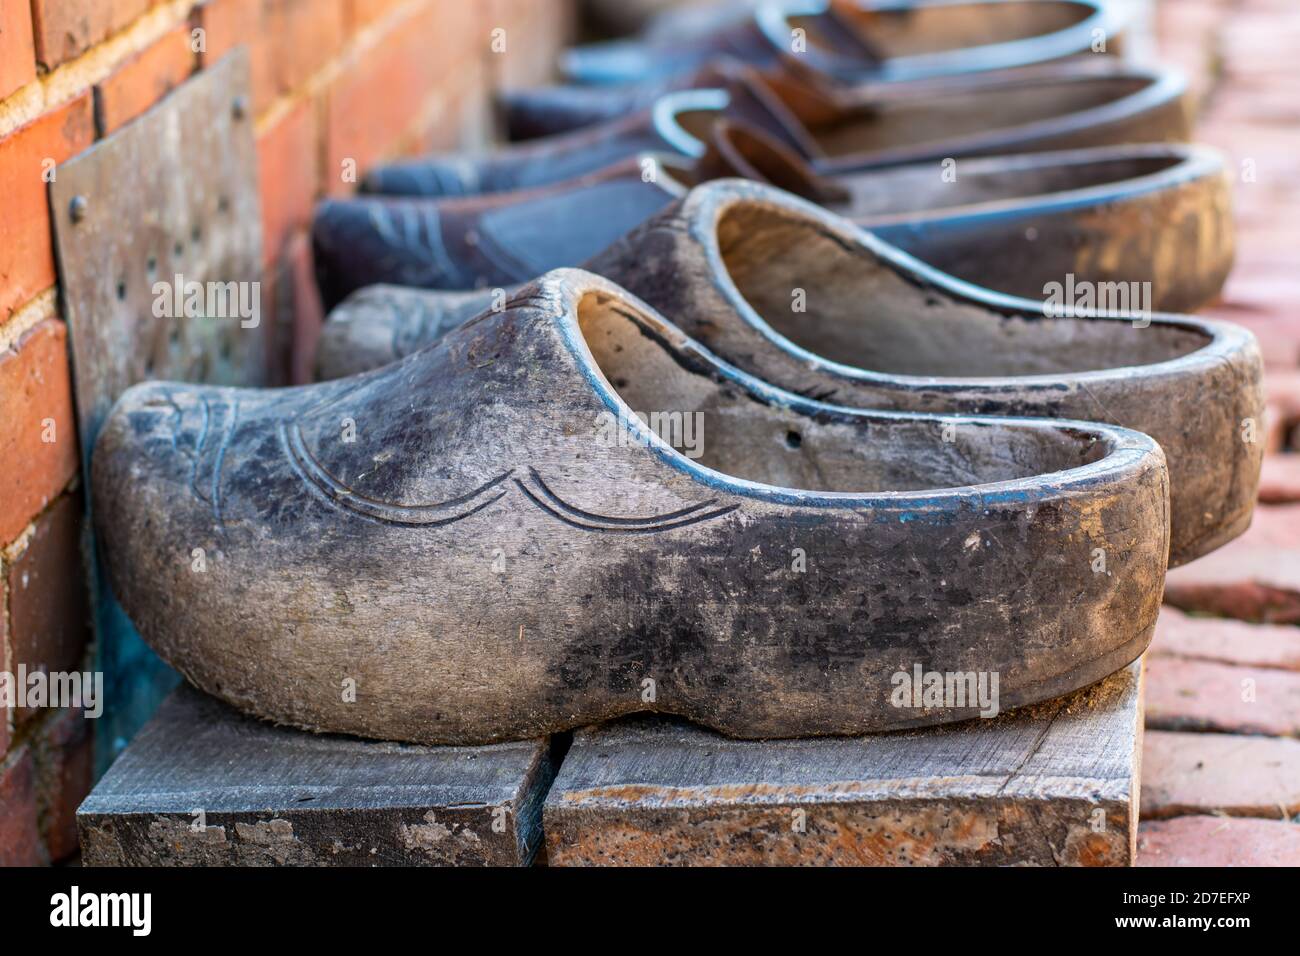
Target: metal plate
[[171, 194]]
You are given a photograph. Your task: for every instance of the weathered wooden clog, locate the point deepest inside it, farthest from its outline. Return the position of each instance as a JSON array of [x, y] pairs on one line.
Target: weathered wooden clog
[[853, 42], [1158, 214], [801, 298], [1061, 106], [1070, 106], [485, 541]]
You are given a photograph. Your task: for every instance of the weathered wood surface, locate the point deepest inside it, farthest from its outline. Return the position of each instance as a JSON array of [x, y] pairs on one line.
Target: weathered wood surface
[[1052, 784], [270, 795]]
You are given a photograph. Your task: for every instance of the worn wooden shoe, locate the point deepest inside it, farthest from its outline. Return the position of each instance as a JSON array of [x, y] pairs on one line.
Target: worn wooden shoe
[[801, 298], [485, 541], [852, 42], [1070, 106], [1158, 214]]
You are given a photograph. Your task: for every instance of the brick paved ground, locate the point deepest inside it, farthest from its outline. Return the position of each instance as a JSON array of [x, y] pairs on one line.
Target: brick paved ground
[[1221, 765]]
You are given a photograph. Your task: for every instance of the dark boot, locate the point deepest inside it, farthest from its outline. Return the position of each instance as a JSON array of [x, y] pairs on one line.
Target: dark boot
[[485, 241], [804, 299]]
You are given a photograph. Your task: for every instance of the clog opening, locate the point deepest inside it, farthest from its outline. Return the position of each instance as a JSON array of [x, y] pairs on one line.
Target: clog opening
[[680, 397], [956, 113], [911, 189], [698, 123], [836, 299], [917, 31]]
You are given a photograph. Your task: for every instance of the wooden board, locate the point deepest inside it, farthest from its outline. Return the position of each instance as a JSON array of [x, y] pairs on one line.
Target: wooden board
[[1053, 784], [172, 193], [270, 795]]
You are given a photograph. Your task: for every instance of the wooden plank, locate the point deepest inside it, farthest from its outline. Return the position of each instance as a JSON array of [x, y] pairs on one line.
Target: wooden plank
[[270, 795], [1052, 784]]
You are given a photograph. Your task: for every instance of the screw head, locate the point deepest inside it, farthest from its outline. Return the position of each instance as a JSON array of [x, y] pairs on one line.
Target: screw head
[[78, 208]]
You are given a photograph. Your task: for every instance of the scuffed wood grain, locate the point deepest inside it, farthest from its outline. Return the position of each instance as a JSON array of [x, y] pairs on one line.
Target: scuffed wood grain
[[272, 796], [1052, 784]]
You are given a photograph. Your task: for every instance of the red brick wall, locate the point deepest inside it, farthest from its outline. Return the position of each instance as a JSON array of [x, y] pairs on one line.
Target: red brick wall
[[338, 85]]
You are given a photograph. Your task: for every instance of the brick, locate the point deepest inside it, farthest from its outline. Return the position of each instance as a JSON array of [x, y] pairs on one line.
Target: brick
[[534, 32], [461, 119], [361, 13], [26, 244], [1219, 773], [1265, 277], [1279, 482], [288, 40], [49, 613], [17, 54], [1254, 578], [20, 840], [63, 750], [1262, 165], [1203, 695], [229, 23], [372, 104], [144, 79], [1260, 98], [286, 160], [1226, 641], [1218, 841], [1249, 47], [65, 29], [306, 34], [35, 404]]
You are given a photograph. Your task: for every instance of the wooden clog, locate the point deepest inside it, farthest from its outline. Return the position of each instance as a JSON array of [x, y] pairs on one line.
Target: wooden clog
[[485, 541], [1159, 214]]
